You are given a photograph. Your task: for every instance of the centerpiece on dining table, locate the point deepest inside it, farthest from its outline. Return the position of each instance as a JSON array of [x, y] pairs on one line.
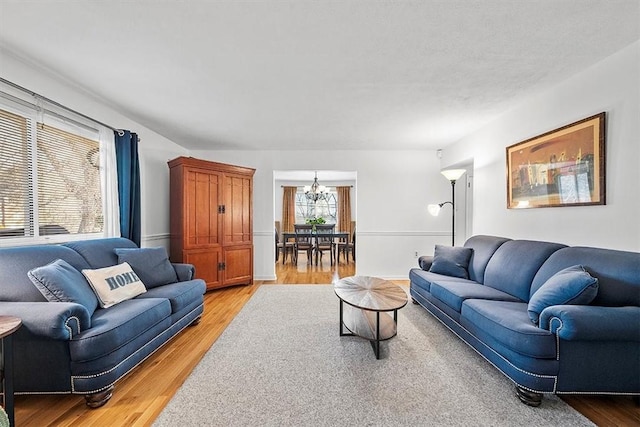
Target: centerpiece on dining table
[[315, 221]]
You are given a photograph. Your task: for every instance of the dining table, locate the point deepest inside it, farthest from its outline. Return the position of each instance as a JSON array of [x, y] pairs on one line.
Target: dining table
[[336, 235]]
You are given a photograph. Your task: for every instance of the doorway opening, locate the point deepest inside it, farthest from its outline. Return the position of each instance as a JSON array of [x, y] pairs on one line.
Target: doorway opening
[[336, 205]]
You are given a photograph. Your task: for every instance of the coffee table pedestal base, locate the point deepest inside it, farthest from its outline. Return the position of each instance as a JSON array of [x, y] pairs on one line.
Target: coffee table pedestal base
[[375, 326]]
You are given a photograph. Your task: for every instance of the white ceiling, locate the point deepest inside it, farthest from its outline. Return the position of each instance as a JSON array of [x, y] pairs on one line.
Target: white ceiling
[[300, 74]]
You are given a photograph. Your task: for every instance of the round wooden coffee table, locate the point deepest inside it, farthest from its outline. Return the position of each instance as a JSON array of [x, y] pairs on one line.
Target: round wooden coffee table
[[371, 309]]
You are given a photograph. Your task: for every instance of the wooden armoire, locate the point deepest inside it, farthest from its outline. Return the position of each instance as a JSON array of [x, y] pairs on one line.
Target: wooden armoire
[[212, 220]]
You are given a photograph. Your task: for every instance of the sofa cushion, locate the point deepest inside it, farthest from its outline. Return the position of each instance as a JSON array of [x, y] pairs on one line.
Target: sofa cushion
[[150, 264], [513, 266], [60, 282], [114, 327], [454, 293], [16, 261], [114, 284], [483, 249], [508, 323], [573, 285], [423, 279], [180, 295], [618, 273], [99, 252], [451, 261]]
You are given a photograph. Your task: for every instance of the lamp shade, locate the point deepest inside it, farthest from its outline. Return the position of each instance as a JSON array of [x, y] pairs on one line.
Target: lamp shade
[[453, 174], [434, 209]]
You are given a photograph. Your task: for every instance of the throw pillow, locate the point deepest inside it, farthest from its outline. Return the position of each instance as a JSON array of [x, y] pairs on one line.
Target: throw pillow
[[451, 261], [152, 265], [573, 285], [58, 281], [114, 284]]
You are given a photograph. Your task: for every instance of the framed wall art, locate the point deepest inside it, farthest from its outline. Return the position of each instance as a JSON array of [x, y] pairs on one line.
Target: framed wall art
[[563, 167]]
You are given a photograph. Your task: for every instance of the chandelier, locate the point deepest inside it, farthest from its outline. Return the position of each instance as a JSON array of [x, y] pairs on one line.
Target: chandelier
[[315, 191]]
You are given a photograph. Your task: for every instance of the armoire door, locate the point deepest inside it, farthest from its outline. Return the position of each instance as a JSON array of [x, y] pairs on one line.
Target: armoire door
[[203, 210], [237, 210], [238, 265], [207, 264]]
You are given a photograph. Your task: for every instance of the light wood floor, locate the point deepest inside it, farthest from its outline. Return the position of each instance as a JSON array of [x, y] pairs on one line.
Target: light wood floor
[[140, 396]]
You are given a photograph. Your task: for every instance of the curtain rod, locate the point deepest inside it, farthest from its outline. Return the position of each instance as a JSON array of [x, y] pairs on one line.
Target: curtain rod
[[302, 186], [57, 104]]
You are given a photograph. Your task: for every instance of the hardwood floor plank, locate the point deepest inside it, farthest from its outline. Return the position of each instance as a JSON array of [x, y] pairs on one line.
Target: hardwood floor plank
[[140, 397]]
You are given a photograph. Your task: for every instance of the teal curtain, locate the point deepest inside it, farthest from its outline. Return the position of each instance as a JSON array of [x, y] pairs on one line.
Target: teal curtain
[[128, 184]]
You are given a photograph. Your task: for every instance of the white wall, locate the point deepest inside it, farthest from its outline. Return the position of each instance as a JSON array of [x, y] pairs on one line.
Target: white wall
[[282, 183], [393, 190], [613, 86], [154, 150]]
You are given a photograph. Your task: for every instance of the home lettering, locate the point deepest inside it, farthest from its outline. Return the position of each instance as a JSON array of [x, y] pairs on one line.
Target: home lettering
[[121, 280]]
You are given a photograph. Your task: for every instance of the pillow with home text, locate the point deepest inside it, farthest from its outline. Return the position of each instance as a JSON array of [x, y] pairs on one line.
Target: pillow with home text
[[114, 284]]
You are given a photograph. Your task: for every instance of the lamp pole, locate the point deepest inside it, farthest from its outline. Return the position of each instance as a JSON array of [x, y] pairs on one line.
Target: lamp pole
[[453, 212], [452, 175]]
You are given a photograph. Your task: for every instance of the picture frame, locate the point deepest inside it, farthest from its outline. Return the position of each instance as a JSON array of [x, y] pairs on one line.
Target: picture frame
[[563, 167]]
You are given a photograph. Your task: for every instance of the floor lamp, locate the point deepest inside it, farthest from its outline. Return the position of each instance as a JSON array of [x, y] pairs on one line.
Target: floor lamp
[[452, 175]]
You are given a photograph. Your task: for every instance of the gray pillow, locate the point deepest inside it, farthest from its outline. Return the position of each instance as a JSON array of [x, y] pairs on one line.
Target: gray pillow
[[58, 281], [573, 285], [451, 261], [152, 265]]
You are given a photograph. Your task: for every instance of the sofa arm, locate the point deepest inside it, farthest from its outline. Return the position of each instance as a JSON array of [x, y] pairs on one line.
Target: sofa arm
[[184, 271], [54, 320], [425, 262], [592, 323]]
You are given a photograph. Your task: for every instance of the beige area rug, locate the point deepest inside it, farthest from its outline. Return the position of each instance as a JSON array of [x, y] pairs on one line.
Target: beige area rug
[[281, 362]]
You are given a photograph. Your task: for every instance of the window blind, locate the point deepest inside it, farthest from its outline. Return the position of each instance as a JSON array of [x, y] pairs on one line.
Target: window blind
[[49, 178], [16, 171], [69, 196]]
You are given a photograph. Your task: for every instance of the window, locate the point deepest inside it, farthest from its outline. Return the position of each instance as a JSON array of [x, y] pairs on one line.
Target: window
[[50, 180], [327, 209]]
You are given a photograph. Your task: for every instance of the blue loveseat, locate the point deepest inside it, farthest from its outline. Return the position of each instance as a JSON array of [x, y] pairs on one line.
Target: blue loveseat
[[575, 347], [64, 348]]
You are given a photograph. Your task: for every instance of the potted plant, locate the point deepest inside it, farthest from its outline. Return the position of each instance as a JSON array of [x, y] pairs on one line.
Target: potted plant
[[314, 221]]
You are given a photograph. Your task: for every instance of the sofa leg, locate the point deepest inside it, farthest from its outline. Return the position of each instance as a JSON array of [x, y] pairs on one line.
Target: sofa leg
[[527, 397], [413, 300], [196, 321], [96, 400]]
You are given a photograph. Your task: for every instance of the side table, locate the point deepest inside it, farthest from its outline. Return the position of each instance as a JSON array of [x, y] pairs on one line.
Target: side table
[[8, 325]]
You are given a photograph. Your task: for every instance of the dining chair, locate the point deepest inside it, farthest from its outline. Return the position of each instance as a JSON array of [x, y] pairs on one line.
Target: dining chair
[[324, 241], [303, 241], [275, 229], [349, 246], [283, 246]]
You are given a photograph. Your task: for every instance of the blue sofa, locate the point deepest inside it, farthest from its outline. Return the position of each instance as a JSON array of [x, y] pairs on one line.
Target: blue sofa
[[62, 348], [575, 348]]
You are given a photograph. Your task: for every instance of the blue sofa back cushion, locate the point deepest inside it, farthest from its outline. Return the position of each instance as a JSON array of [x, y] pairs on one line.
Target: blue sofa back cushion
[[152, 265], [451, 261], [571, 286], [483, 249], [99, 252], [513, 266], [618, 273], [58, 281], [16, 261]]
